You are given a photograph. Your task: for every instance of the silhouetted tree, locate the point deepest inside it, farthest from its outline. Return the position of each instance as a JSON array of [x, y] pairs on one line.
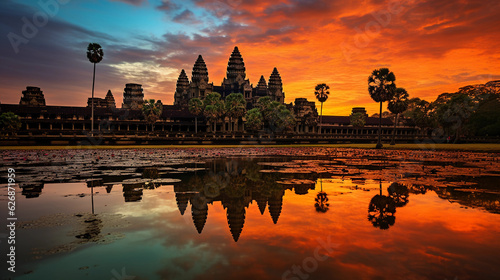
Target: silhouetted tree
[[253, 119], [213, 108], [321, 92], [152, 111], [266, 107], [357, 120], [283, 119], [195, 107], [397, 105], [486, 118], [94, 54], [419, 112], [455, 113], [235, 105], [9, 123], [276, 116], [381, 86]]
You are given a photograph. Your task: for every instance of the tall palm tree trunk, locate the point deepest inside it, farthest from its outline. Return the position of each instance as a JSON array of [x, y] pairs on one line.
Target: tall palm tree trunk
[[92, 116], [196, 125], [393, 141], [379, 143], [321, 118]]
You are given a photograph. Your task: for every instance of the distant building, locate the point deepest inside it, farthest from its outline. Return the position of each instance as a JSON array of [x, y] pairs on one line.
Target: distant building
[[361, 110], [107, 102], [234, 82], [32, 96], [133, 97]]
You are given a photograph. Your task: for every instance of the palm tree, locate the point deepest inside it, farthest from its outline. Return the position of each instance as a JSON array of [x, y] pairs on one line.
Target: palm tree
[[214, 108], [235, 105], [397, 105], [266, 107], [357, 120], [195, 107], [322, 93], [94, 54], [283, 119], [152, 111], [254, 119], [381, 86]]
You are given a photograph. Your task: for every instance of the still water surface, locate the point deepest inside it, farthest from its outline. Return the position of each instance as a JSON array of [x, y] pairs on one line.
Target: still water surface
[[257, 214]]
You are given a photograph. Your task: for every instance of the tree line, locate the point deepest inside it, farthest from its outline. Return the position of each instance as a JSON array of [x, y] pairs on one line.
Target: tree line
[[472, 111], [267, 114]]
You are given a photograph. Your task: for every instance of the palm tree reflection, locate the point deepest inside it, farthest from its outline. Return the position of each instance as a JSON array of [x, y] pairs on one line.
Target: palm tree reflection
[[381, 211], [321, 205], [399, 193]]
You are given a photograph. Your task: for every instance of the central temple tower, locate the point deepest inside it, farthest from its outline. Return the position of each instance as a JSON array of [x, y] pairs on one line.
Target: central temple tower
[[235, 66], [234, 82], [235, 77]]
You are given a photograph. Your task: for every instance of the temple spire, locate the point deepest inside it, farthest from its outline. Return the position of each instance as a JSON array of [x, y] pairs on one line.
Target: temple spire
[[110, 100], [182, 199], [262, 85], [200, 71], [275, 204], [235, 219], [275, 82], [182, 81], [235, 66], [181, 94], [275, 86], [261, 202], [199, 211]]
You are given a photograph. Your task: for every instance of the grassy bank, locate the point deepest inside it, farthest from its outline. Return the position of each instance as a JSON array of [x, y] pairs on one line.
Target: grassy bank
[[458, 147]]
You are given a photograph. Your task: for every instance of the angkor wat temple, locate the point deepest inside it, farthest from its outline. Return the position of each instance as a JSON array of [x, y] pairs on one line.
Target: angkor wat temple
[[235, 81], [47, 124]]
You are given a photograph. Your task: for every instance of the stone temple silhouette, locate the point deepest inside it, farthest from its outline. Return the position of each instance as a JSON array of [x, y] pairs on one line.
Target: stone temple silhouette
[[235, 81]]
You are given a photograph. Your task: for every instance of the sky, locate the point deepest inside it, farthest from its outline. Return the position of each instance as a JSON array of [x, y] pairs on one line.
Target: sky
[[432, 46]]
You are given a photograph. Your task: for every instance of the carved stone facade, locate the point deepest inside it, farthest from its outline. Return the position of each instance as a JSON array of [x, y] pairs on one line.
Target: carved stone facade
[[234, 82], [275, 86], [107, 102], [110, 100], [133, 97], [306, 114], [303, 108], [32, 96], [181, 95], [361, 110]]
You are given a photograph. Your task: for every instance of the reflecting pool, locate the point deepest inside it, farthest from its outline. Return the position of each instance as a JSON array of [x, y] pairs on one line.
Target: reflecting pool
[[255, 213]]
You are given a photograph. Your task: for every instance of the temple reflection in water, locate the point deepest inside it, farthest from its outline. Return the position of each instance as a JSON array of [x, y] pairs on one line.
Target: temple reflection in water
[[238, 183]]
